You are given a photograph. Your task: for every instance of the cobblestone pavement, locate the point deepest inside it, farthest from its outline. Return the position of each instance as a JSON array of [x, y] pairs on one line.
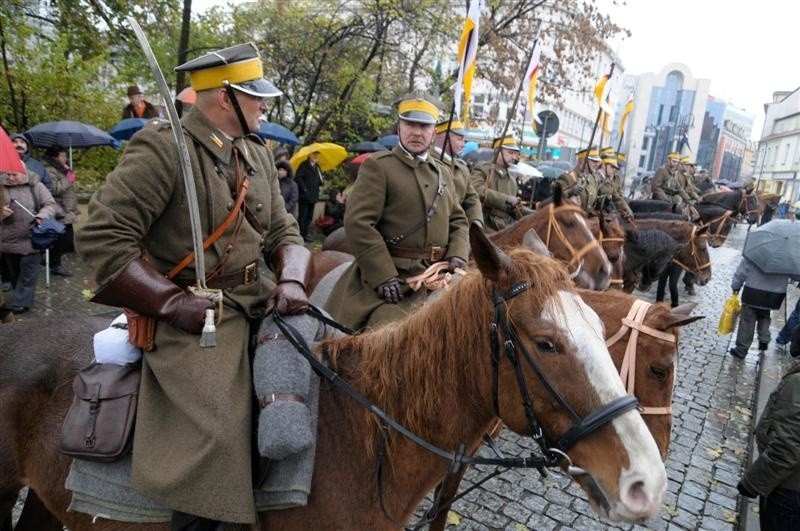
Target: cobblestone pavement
[[712, 422]]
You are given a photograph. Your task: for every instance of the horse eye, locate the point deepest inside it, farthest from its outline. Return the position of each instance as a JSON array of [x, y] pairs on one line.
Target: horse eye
[[660, 373], [569, 224], [544, 344]]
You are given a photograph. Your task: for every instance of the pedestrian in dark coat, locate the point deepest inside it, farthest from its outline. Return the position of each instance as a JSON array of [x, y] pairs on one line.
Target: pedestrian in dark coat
[[67, 212], [288, 186], [309, 179], [775, 475], [23, 147], [138, 106]]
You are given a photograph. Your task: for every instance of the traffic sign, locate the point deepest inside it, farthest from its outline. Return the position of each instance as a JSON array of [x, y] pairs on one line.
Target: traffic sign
[[547, 125]]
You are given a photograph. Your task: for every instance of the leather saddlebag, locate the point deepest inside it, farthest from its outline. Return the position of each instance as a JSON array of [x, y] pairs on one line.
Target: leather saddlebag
[[99, 423]]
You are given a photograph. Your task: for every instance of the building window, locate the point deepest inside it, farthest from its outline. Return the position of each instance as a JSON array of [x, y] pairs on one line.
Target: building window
[[786, 155]]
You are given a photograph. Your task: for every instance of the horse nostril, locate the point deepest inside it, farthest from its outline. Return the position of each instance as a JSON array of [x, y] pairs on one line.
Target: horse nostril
[[636, 498]]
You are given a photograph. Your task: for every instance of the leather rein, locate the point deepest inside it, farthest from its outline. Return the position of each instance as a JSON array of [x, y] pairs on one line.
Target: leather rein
[[551, 455], [634, 322]]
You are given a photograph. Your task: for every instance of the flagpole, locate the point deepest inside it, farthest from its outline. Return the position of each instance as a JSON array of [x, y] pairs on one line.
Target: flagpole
[[596, 121], [516, 97], [446, 142]]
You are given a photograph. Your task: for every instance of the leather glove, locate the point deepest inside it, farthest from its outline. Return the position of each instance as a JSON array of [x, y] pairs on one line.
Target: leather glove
[[390, 291], [744, 491], [512, 201], [289, 297], [575, 190], [190, 312], [456, 263]]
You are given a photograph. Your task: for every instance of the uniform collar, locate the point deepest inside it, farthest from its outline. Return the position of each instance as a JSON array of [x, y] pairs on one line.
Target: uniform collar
[[214, 140], [409, 159]]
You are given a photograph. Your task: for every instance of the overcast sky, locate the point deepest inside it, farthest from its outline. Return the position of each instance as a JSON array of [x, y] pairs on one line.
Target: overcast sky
[[748, 49]]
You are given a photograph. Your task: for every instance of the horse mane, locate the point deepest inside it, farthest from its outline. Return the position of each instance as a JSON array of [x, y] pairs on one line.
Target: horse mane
[[728, 200], [415, 368], [660, 215]]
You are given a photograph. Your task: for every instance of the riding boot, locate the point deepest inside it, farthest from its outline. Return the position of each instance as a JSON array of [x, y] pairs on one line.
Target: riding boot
[[189, 522], [144, 290]]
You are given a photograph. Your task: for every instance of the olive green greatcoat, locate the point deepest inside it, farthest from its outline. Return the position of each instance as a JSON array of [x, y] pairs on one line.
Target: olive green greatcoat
[[668, 185], [691, 187], [589, 183], [64, 194], [610, 187], [496, 212], [192, 439], [390, 197], [462, 184]]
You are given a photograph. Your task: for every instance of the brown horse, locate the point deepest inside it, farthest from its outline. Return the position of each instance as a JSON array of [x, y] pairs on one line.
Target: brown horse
[[692, 257], [645, 349], [745, 205], [402, 368], [609, 231], [564, 229]]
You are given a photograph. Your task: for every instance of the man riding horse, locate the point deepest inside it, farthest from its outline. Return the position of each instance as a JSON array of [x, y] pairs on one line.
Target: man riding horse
[[193, 432]]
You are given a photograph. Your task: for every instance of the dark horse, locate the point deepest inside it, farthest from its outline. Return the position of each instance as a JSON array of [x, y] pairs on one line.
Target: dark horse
[[401, 367]]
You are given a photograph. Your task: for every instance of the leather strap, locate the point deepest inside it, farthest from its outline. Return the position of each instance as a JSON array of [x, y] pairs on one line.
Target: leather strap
[[214, 236], [247, 275], [264, 401], [433, 254], [428, 214]]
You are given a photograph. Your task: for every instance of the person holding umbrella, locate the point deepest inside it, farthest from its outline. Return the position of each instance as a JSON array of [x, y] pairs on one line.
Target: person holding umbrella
[[67, 212], [23, 147], [770, 259]]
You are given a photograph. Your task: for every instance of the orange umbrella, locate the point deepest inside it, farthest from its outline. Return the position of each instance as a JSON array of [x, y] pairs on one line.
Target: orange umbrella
[[9, 158], [187, 95]]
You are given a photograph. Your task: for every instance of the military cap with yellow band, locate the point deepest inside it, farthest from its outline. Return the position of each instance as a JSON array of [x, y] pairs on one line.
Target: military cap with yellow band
[[611, 160], [687, 160], [582, 153], [418, 107], [607, 151], [505, 142], [621, 158], [674, 156], [238, 66], [593, 155], [456, 127]]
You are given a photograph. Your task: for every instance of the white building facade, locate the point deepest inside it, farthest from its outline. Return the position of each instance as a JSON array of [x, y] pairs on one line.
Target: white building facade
[[778, 157]]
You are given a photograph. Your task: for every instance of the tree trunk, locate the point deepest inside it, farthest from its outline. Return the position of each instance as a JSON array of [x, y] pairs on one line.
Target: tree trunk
[[183, 44]]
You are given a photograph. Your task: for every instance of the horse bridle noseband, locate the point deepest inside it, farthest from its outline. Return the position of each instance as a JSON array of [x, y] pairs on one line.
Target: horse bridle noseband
[[613, 239], [693, 247], [553, 226], [635, 323]]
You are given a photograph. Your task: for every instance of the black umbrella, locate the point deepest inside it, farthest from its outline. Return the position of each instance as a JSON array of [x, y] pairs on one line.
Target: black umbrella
[[70, 135], [365, 147]]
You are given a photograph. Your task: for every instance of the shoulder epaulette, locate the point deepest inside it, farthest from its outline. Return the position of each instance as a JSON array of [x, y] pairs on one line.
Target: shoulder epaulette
[[381, 154]]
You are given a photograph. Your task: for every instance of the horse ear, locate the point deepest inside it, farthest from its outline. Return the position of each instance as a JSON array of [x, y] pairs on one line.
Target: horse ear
[[703, 229], [631, 235], [680, 319], [685, 309], [558, 194], [491, 261], [532, 241]]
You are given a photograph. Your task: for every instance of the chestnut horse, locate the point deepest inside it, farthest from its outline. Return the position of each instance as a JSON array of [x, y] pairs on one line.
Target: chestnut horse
[[557, 374], [643, 342], [608, 230], [564, 229]]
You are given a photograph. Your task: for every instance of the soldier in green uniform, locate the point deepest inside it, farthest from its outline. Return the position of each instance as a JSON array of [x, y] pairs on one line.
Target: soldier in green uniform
[[668, 182], [583, 179], [192, 450], [608, 187], [401, 218], [447, 145], [496, 188], [687, 169]]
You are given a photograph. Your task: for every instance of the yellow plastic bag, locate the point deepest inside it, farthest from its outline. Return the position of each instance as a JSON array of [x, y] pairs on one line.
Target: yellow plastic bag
[[727, 321]]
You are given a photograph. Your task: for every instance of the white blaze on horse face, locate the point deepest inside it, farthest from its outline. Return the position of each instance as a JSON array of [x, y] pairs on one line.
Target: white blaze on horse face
[[643, 483]]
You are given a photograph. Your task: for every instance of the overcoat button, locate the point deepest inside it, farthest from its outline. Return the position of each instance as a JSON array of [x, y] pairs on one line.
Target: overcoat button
[[259, 207], [229, 207]]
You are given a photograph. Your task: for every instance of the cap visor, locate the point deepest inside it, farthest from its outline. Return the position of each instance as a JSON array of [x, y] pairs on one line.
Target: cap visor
[[419, 117], [260, 88]]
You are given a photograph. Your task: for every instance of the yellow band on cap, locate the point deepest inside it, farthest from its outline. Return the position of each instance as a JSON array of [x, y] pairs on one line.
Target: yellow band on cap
[[593, 153], [610, 160], [418, 105], [673, 155], [441, 128], [507, 141], [686, 160], [210, 78]]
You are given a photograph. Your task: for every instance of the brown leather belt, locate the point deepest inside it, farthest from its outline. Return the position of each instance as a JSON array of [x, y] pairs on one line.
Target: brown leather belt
[[433, 254], [499, 213], [264, 401], [247, 275]]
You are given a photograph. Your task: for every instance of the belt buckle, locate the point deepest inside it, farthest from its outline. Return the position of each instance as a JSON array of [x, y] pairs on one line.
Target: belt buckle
[[435, 249], [250, 272]]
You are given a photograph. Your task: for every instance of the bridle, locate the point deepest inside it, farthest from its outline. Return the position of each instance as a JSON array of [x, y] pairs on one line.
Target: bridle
[[722, 221], [500, 329], [635, 323], [554, 227], [744, 208], [613, 239], [698, 266]]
